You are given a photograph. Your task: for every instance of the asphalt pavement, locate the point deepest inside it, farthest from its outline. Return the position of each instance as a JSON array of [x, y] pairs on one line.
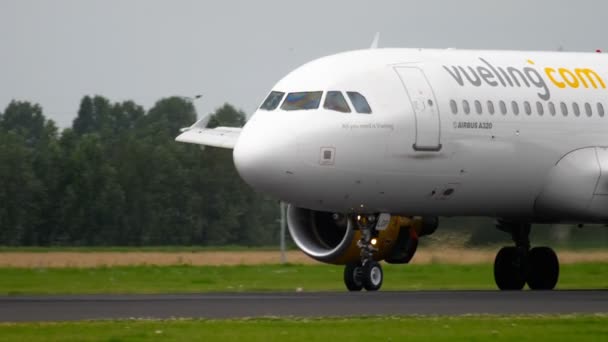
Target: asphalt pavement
[[304, 304]]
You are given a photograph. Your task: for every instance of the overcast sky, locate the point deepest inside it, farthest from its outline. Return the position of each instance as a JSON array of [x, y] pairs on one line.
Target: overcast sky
[[55, 52]]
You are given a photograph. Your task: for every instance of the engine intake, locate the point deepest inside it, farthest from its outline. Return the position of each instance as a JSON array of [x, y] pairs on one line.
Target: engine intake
[[332, 238], [321, 235]]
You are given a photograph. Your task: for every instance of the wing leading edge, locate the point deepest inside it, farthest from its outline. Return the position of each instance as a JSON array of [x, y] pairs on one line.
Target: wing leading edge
[[223, 137]]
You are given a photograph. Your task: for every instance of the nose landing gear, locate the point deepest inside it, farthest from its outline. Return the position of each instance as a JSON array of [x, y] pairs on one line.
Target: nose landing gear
[[518, 265], [367, 273]]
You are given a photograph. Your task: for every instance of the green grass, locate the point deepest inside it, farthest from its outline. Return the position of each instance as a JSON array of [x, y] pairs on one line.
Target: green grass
[[191, 279], [459, 328]]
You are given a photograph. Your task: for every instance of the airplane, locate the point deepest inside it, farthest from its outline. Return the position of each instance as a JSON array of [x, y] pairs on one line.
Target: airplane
[[370, 147]]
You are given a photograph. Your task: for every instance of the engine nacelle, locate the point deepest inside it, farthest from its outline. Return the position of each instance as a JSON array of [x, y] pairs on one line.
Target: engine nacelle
[[332, 238]]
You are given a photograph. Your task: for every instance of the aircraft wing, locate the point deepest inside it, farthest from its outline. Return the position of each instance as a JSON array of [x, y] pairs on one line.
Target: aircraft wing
[[224, 137]]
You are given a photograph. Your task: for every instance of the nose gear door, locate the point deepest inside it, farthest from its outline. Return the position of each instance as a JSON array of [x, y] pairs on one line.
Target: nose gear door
[[424, 105]]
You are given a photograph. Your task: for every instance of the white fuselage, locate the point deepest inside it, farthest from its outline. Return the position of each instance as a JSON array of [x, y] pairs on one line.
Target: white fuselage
[[417, 155]]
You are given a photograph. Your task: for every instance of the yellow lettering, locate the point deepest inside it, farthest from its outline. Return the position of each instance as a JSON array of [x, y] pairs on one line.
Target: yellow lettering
[[573, 81], [549, 72], [589, 75]]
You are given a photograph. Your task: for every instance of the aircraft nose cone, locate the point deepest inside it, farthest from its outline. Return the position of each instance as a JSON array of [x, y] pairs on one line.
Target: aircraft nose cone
[[264, 156]]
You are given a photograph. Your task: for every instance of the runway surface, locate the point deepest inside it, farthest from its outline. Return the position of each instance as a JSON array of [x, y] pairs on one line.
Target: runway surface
[[62, 308]]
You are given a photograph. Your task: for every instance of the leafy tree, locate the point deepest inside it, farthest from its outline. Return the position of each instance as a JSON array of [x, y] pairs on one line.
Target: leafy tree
[[85, 210], [168, 116], [26, 120], [20, 191], [117, 177], [125, 116], [94, 115], [227, 116], [34, 140]]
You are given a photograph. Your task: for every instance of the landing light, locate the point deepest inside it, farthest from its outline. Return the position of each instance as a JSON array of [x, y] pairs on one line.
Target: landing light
[[374, 241]]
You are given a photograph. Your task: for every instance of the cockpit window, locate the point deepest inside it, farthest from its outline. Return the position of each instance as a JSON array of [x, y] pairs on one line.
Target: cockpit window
[[360, 103], [302, 100], [334, 100], [272, 101]]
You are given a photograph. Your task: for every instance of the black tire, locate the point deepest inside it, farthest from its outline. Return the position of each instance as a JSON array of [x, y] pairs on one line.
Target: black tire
[[352, 277], [543, 268], [372, 276], [508, 270]]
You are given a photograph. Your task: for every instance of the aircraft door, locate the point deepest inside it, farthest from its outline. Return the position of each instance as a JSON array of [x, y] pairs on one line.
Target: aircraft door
[[424, 104]]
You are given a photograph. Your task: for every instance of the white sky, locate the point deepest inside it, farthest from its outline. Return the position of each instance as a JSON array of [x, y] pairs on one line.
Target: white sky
[[55, 52]]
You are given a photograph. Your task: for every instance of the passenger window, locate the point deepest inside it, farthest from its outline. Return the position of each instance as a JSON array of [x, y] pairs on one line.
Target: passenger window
[[272, 101], [359, 102], [302, 100], [540, 109], [515, 107], [527, 107], [503, 107], [465, 106], [454, 107], [564, 108], [334, 100], [600, 109], [577, 110], [491, 107], [478, 107], [588, 109], [552, 108]]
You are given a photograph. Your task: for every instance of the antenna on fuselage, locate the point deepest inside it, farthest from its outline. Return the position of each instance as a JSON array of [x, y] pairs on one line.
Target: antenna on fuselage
[[375, 41]]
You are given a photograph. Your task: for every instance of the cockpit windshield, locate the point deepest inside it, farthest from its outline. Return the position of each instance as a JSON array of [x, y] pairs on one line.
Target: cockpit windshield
[[272, 101], [359, 102], [302, 100], [334, 100], [307, 100]]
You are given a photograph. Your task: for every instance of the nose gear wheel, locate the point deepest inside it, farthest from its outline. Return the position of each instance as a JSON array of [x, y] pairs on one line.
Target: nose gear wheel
[[367, 273], [353, 275], [372, 276]]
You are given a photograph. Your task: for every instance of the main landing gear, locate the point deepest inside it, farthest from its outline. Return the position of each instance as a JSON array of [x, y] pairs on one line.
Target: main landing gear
[[517, 265], [367, 273]]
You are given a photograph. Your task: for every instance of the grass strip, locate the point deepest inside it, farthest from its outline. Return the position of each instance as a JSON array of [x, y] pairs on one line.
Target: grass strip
[[450, 328], [193, 279]]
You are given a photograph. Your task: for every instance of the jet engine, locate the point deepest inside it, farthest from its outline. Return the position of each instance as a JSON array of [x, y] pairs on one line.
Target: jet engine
[[332, 237]]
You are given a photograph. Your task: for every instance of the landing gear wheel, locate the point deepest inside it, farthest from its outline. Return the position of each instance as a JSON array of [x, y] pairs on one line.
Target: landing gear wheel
[[543, 270], [508, 269], [372, 275], [353, 277]]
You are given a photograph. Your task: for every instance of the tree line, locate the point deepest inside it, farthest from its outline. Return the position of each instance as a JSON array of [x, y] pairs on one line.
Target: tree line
[[117, 177]]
